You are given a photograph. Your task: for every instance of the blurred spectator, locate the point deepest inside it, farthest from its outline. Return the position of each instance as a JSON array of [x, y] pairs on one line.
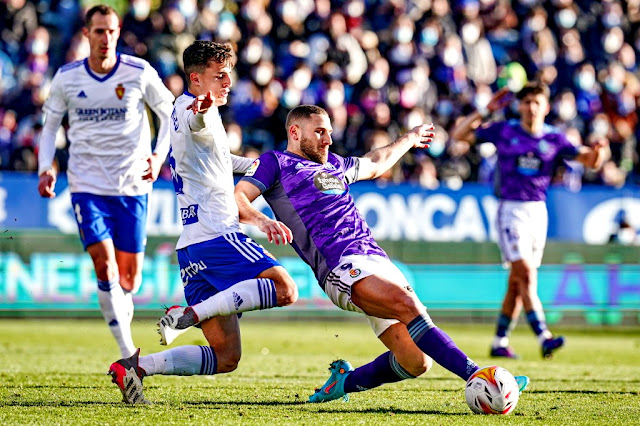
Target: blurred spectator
[[375, 65]]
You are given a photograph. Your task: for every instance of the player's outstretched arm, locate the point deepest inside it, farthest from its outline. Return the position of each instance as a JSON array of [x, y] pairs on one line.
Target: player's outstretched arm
[[199, 107], [593, 157], [463, 129], [378, 161], [276, 231]]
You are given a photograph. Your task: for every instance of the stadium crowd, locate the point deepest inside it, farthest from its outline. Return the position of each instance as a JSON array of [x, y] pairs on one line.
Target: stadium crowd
[[379, 67]]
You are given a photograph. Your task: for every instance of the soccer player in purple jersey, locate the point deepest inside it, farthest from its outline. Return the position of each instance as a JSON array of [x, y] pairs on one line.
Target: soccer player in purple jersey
[[527, 151], [308, 189]]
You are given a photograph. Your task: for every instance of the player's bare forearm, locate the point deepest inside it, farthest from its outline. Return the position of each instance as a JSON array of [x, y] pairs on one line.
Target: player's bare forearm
[[275, 231], [593, 157], [378, 161], [463, 130]]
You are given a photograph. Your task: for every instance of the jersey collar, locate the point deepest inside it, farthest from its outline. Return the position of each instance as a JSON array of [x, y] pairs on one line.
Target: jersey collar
[[106, 77]]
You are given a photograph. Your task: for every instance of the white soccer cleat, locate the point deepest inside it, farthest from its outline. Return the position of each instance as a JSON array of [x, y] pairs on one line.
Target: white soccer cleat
[[175, 322], [127, 375]]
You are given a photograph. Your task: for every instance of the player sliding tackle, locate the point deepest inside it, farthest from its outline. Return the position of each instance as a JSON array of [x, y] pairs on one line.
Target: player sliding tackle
[[224, 272], [308, 189]]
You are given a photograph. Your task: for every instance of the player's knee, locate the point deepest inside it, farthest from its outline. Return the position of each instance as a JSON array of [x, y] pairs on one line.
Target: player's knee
[[131, 283], [287, 291], [418, 365], [106, 270], [406, 307], [228, 361]]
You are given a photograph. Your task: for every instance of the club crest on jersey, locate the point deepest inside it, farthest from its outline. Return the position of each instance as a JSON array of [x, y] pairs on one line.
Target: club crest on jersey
[[252, 168], [120, 91], [329, 184], [355, 273]]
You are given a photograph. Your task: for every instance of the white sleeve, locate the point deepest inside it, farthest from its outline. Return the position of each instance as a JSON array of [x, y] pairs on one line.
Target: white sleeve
[[196, 122], [241, 164], [160, 100], [55, 107], [47, 144]]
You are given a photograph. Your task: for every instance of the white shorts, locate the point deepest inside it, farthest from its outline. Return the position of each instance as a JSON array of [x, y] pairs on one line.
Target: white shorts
[[522, 230], [352, 269]]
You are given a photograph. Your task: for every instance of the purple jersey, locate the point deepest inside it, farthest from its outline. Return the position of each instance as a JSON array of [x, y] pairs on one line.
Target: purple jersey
[[313, 200], [525, 161]]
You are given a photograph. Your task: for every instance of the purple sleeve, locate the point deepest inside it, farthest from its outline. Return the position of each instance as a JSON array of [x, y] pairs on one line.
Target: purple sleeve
[[351, 168], [566, 150], [264, 172], [490, 133]]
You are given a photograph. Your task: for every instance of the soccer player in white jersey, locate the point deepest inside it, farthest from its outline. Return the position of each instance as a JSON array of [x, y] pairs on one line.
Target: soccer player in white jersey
[[224, 272], [111, 166]]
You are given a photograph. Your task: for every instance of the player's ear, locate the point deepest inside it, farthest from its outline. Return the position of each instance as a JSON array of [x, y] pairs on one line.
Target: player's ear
[[294, 132], [85, 32], [194, 77]]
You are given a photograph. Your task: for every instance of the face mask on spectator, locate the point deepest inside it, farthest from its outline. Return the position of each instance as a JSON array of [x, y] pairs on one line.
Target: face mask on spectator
[[377, 79], [566, 110], [451, 56], [613, 85], [586, 80], [470, 33], [444, 108], [566, 18], [39, 47], [291, 98], [334, 98], [600, 126], [481, 100], [535, 23], [436, 147], [301, 78], [403, 34], [429, 36], [141, 9], [613, 41], [262, 74], [187, 8]]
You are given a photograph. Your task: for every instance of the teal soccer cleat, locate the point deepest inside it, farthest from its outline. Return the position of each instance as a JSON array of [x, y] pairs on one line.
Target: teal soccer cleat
[[334, 386], [522, 381]]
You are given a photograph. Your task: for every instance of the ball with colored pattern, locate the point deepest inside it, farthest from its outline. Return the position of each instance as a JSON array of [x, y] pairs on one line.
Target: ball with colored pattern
[[492, 390]]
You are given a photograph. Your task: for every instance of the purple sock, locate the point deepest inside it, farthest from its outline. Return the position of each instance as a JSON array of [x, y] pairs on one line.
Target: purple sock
[[384, 369], [439, 346]]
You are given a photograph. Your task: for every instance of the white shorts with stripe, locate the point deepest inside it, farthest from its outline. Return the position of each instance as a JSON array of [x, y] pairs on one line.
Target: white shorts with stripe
[[522, 230], [352, 269]]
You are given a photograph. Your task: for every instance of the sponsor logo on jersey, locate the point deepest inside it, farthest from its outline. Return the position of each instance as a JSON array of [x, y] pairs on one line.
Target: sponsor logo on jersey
[[529, 165], [101, 114], [191, 270], [355, 273], [189, 214], [82, 94], [174, 119], [252, 168], [120, 91], [329, 184]]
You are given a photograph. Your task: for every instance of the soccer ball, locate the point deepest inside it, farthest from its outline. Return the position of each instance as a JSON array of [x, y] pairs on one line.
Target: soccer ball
[[492, 390], [513, 76]]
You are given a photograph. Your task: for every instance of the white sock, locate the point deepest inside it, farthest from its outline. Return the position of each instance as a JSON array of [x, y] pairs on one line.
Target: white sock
[[546, 334], [500, 342], [114, 309], [248, 295], [128, 304], [181, 361]]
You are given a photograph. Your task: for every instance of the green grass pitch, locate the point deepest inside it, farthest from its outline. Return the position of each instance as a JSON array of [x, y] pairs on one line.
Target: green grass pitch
[[53, 372]]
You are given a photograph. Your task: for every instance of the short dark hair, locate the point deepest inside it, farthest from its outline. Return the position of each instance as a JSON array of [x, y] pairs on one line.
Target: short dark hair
[[197, 56], [102, 9], [301, 112], [535, 88]]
